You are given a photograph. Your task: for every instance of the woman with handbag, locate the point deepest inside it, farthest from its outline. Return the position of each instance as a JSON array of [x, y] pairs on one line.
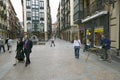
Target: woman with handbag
[[19, 51]]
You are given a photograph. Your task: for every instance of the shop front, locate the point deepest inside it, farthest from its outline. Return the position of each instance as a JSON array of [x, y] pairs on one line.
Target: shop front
[[95, 28]]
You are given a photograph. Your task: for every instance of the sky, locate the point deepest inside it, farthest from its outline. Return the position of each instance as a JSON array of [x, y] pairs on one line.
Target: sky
[[53, 4], [54, 7], [18, 8]]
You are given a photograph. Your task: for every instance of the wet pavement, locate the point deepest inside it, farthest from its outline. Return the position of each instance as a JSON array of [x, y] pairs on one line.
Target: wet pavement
[[58, 63]]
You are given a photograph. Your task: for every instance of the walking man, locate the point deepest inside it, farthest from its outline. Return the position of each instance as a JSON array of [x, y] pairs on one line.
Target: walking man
[[27, 50]]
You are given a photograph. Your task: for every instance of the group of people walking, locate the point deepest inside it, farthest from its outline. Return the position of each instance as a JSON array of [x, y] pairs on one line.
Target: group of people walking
[[23, 48]]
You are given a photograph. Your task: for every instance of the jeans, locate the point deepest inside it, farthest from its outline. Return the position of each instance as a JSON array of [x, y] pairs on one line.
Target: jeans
[[52, 42], [77, 49], [2, 46]]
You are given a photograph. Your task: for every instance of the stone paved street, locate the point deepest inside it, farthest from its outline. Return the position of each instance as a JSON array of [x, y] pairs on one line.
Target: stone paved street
[[58, 63]]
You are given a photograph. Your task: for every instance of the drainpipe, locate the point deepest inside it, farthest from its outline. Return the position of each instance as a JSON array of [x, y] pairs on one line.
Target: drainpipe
[[119, 29], [119, 25]]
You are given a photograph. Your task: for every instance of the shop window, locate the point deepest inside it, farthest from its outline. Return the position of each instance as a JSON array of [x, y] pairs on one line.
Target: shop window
[[88, 36], [97, 36]]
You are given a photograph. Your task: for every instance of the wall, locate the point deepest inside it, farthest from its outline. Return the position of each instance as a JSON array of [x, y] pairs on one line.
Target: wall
[[114, 25]]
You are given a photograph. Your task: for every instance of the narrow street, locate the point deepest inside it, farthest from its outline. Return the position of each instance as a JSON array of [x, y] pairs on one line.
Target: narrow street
[[57, 63]]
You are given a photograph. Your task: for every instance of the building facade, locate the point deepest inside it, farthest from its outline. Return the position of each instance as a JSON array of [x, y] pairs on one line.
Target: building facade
[[92, 18], [37, 18], [13, 23], [78, 28], [3, 19], [49, 21], [98, 20], [114, 23], [65, 17], [58, 21]]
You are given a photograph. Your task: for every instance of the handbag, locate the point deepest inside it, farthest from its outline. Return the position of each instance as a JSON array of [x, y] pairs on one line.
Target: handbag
[[20, 55]]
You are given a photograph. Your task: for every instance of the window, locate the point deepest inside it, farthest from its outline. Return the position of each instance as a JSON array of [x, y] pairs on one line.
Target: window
[[42, 19], [28, 18], [28, 14], [35, 13], [41, 4], [97, 35], [35, 6], [28, 3], [41, 14], [33, 18], [81, 5], [76, 2], [42, 27]]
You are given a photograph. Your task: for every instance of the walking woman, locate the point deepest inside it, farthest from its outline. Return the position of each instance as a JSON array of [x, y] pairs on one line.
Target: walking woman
[[77, 44], [19, 51]]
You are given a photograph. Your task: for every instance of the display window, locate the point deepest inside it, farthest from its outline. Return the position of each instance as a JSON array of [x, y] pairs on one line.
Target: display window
[[88, 36], [97, 36]]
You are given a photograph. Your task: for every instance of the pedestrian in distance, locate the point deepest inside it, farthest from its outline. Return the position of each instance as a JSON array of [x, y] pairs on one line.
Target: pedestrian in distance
[[28, 44], [2, 43], [9, 45], [6, 42], [77, 45], [52, 42], [19, 52]]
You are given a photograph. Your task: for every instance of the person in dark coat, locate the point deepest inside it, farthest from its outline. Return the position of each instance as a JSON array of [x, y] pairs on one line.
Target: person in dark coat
[[6, 42], [106, 46], [19, 51], [28, 44]]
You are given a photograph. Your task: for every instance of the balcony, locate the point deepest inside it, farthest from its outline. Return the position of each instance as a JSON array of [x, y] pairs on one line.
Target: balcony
[[94, 8], [1, 3], [77, 17]]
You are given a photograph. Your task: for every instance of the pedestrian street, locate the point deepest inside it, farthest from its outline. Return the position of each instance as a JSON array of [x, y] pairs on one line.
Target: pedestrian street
[[57, 63]]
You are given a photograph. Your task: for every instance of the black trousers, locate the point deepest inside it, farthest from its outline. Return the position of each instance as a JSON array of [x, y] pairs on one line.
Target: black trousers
[[27, 55]]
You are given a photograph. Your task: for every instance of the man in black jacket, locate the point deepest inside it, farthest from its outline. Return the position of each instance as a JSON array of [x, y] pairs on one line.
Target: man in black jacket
[[27, 49]]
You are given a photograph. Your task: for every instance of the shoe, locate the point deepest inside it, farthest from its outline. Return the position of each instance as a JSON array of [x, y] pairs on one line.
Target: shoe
[[14, 64], [77, 57], [26, 65]]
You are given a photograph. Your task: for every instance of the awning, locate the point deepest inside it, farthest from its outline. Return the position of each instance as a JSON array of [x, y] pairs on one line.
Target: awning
[[94, 16]]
